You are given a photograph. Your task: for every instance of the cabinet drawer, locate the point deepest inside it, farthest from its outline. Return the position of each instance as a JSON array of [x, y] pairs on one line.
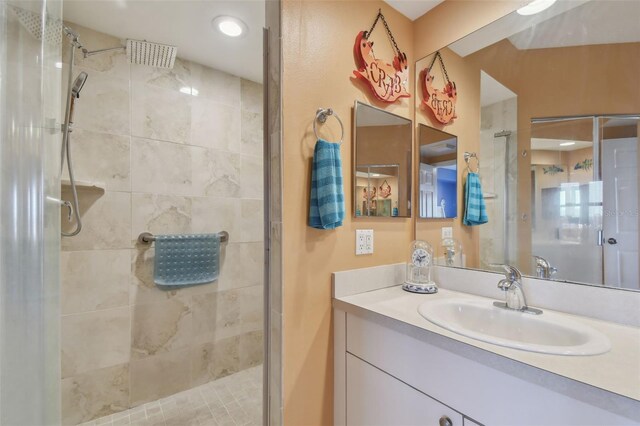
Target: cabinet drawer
[[376, 398]]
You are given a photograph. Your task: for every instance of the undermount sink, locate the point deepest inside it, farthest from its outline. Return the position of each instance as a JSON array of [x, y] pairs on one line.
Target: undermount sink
[[549, 333]]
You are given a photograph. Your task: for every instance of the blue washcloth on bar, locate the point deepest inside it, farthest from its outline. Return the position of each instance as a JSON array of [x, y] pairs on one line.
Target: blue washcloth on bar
[[475, 210], [183, 260], [326, 210]]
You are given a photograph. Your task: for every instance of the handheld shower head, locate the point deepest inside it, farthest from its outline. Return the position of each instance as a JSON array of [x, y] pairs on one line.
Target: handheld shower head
[[78, 84]]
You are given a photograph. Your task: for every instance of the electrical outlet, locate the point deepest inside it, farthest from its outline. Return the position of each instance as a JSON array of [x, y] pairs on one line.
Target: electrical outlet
[[447, 232], [364, 241]]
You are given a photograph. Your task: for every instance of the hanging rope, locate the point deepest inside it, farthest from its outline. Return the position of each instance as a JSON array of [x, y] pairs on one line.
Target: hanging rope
[[444, 69], [380, 16]]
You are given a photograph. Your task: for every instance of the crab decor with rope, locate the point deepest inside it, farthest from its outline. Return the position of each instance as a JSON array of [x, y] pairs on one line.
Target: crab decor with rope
[[442, 103], [388, 82]]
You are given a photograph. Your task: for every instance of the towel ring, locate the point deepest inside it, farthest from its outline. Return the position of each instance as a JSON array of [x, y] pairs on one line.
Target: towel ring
[[467, 158], [321, 116]]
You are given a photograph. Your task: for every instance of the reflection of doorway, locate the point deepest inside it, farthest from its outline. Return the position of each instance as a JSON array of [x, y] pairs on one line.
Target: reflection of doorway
[[585, 197]]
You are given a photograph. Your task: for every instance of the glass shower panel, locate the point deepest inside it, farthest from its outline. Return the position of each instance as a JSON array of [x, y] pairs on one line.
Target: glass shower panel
[[566, 198], [29, 211]]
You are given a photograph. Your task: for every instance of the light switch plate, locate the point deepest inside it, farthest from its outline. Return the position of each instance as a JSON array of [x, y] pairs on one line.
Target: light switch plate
[[447, 232], [364, 241]]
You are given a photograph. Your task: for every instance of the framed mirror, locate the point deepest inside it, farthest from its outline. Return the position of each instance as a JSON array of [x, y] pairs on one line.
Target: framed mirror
[[550, 103], [382, 163], [437, 174]]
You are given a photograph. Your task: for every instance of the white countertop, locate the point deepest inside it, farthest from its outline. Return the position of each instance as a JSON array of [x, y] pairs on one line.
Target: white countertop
[[616, 371]]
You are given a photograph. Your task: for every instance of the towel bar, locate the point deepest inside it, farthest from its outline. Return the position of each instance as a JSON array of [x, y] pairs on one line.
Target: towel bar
[[148, 237]]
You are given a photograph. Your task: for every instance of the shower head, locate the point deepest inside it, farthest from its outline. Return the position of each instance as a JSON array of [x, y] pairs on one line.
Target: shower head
[[502, 134], [152, 54], [143, 53], [78, 84], [47, 27]]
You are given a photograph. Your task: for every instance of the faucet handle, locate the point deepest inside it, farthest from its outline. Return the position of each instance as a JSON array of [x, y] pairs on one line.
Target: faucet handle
[[511, 272]]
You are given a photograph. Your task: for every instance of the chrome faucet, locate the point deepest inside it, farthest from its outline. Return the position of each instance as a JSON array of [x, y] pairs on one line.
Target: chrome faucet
[[543, 268], [512, 286]]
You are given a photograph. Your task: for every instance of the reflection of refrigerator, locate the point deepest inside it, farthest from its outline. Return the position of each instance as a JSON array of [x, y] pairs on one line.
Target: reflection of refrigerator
[[428, 191]]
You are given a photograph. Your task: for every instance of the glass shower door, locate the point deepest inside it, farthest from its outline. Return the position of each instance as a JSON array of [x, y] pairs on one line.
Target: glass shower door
[[29, 212], [566, 198]]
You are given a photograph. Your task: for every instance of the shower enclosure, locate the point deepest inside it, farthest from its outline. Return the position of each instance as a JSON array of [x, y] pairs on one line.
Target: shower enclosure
[[85, 332], [29, 214]]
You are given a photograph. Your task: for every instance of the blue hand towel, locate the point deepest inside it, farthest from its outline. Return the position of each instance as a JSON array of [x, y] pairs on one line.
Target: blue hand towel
[[326, 210], [475, 211], [183, 260]]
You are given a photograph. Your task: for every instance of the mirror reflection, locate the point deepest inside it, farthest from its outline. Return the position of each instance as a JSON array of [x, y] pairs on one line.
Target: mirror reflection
[[438, 173], [382, 163], [551, 104]]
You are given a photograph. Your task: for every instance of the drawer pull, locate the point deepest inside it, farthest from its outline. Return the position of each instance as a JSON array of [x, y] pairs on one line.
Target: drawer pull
[[445, 421]]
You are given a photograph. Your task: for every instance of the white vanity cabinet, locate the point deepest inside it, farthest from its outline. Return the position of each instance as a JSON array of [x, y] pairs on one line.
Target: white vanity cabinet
[[391, 373], [376, 398]]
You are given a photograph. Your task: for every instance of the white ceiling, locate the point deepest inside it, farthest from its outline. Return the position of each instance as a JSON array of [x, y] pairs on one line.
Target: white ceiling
[[448, 146], [510, 25], [183, 23], [596, 22], [413, 9], [492, 91]]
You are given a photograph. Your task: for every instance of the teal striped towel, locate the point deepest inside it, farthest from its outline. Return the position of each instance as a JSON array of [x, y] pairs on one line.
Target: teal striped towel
[[183, 260], [475, 211], [326, 210]]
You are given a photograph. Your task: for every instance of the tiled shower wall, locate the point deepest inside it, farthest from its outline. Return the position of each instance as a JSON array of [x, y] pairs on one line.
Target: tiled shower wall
[[170, 162], [494, 171]]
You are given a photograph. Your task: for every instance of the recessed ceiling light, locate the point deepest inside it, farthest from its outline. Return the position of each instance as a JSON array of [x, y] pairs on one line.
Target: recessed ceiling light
[[229, 26], [567, 143], [536, 6]]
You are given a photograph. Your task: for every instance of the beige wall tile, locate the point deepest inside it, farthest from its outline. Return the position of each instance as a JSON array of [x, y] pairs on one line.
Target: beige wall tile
[[251, 177], [251, 349], [216, 85], [160, 167], [251, 96], [216, 316], [101, 157], [95, 394], [216, 173], [211, 361], [160, 214], [174, 79], [211, 215], [94, 340], [252, 136], [251, 307], [252, 220], [113, 63], [106, 221], [94, 279], [215, 125], [104, 104], [159, 376], [160, 114], [160, 327]]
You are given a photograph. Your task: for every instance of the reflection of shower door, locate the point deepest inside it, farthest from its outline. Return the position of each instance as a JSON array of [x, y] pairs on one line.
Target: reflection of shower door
[[428, 194], [620, 221]]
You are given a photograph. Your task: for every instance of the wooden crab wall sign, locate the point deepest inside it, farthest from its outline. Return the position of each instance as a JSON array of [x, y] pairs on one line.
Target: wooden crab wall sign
[[441, 102], [388, 82]]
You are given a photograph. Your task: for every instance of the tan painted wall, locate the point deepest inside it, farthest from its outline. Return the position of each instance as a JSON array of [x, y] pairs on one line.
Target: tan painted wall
[[317, 64]]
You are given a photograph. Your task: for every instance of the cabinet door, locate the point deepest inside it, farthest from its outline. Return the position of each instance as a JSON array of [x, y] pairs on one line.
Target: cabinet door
[[376, 398]]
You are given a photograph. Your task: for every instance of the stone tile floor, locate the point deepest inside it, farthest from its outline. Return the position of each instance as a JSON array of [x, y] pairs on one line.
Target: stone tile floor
[[234, 400]]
